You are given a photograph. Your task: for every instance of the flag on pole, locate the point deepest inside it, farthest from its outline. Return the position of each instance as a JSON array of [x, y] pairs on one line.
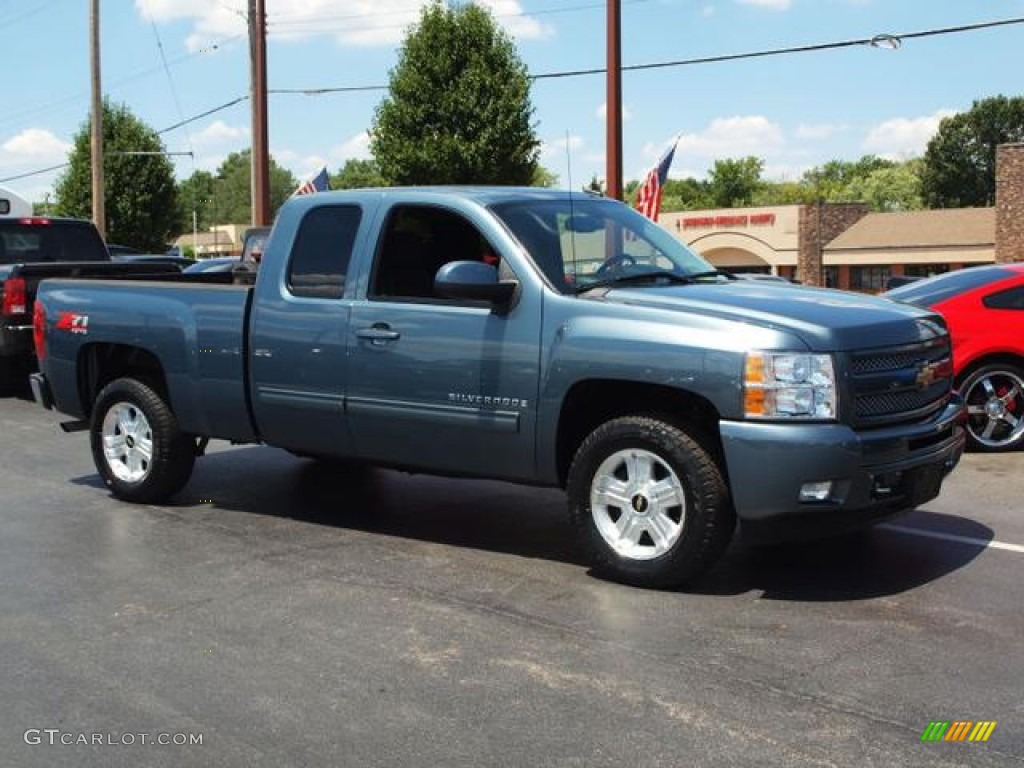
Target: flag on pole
[[317, 183], [648, 197]]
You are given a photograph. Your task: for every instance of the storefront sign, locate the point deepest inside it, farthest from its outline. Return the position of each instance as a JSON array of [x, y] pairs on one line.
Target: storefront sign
[[741, 220]]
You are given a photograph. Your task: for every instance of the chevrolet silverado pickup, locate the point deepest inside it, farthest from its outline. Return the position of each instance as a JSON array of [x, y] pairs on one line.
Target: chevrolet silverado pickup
[[33, 248], [533, 336]]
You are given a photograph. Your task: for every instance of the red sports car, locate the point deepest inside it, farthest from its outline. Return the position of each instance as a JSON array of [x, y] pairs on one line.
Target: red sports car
[[984, 307]]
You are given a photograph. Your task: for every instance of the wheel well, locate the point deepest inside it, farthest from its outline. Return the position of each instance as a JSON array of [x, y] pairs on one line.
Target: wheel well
[[100, 364], [589, 404], [1007, 358]]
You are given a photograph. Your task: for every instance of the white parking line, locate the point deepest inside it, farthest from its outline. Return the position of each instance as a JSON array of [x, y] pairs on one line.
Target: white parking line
[[953, 537]]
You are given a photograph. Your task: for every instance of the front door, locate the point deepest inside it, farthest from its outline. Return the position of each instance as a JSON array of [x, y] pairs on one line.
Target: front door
[[436, 384]]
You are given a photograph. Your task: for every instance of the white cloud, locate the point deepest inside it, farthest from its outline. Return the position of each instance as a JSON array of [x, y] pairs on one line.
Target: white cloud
[[904, 137], [602, 112], [219, 133], [773, 5], [32, 150], [728, 137], [554, 149], [354, 148], [509, 13], [707, 11], [818, 131], [356, 22], [35, 145]]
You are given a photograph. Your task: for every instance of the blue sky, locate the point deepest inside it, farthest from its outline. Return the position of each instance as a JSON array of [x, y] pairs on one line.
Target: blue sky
[[794, 111]]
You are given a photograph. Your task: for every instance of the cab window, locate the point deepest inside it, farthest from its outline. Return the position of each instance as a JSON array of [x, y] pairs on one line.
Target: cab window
[[322, 250]]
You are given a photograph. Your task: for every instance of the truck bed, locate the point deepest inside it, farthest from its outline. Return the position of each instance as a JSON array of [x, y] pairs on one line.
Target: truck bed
[[194, 329]]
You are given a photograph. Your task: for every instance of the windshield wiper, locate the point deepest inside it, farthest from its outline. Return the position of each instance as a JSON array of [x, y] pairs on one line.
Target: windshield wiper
[[653, 276]]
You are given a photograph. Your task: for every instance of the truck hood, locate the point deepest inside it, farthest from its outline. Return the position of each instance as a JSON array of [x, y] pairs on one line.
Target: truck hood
[[824, 319]]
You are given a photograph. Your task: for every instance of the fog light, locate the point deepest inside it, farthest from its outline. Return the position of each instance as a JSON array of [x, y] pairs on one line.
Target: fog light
[[816, 491]]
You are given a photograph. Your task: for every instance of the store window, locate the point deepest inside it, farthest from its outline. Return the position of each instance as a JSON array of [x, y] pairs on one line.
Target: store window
[[925, 270], [868, 278]]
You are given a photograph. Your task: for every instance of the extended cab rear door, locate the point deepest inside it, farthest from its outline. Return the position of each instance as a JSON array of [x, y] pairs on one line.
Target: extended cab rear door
[[441, 384], [299, 328]]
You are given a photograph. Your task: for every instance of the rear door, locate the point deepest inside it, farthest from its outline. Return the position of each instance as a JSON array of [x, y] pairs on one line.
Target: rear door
[[442, 385], [298, 336]]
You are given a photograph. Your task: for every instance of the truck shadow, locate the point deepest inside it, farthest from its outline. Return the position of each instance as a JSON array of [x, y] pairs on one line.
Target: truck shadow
[[533, 523], [871, 563]]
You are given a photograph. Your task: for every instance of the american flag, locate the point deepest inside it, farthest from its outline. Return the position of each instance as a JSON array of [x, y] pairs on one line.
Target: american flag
[[318, 183], [648, 197]]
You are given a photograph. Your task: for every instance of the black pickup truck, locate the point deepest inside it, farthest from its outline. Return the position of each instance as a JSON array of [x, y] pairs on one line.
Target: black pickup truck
[[31, 249]]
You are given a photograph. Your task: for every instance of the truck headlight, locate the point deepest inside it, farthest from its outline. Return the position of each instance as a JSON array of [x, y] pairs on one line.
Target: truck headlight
[[786, 385]]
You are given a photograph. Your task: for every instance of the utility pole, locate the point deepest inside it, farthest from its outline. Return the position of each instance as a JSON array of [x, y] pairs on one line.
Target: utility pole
[[613, 143], [99, 211], [258, 79]]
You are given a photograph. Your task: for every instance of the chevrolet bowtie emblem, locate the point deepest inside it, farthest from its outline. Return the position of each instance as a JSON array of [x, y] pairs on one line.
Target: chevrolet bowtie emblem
[[925, 375]]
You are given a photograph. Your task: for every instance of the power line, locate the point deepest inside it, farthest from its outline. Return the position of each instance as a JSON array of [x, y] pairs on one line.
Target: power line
[[881, 40]]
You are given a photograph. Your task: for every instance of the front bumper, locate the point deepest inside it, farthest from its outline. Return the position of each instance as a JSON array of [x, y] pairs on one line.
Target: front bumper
[[874, 473]]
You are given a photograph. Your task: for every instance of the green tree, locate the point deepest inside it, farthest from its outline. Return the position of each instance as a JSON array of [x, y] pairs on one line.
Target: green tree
[[544, 177], [897, 188], [458, 108], [196, 194], [231, 191], [140, 196], [960, 161], [735, 182], [358, 174]]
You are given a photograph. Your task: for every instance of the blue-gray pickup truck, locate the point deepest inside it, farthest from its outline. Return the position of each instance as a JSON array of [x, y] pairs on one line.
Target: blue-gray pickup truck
[[535, 336]]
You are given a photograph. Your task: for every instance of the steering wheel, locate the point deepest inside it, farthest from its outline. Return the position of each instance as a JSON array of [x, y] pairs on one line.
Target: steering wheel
[[614, 263]]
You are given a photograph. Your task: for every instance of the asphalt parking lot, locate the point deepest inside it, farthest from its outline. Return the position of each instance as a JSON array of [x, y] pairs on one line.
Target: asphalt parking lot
[[288, 616]]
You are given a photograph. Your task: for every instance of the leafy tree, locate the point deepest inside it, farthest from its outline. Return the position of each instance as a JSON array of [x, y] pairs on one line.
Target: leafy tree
[[544, 177], [735, 182], [897, 188], [960, 161], [687, 194], [197, 194], [458, 108], [357, 174], [140, 196], [230, 190]]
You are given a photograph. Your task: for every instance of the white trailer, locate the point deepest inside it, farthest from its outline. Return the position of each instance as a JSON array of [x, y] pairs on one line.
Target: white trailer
[[12, 205]]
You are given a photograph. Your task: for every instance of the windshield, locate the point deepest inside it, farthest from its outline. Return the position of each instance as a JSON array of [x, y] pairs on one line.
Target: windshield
[[586, 242]]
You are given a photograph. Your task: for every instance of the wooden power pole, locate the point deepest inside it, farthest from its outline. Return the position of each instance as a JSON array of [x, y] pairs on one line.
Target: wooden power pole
[[613, 145], [99, 211], [260, 151]]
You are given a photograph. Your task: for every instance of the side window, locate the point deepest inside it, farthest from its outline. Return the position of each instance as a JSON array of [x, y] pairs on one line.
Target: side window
[[322, 249], [1012, 298], [416, 242]]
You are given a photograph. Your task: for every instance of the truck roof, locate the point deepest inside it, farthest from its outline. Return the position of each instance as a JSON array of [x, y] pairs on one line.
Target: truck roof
[[484, 195]]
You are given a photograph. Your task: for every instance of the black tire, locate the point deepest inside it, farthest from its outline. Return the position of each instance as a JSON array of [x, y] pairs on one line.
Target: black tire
[[132, 410], [995, 407], [702, 523]]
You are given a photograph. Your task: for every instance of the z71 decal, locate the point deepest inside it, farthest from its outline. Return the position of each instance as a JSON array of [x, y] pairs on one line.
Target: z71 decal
[[72, 321]]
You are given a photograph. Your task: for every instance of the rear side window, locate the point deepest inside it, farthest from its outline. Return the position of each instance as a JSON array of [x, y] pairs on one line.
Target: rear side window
[[1011, 298], [322, 250]]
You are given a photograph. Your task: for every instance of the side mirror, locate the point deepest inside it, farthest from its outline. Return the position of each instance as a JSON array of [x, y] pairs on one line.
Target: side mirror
[[474, 281]]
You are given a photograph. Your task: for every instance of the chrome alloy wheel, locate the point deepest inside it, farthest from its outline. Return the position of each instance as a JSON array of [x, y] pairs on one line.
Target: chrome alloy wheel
[[127, 442], [638, 504], [995, 409]]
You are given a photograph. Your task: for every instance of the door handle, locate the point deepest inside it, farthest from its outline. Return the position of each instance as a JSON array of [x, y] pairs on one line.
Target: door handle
[[378, 333]]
